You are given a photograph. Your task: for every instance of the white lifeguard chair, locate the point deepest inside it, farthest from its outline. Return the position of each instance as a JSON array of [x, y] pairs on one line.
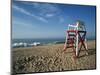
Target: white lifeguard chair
[[76, 34]]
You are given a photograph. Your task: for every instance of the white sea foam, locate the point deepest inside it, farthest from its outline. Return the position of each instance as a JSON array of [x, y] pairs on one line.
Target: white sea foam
[[21, 44], [36, 43]]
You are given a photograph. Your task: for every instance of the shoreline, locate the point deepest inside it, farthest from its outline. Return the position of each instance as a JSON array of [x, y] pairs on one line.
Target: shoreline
[[50, 44]]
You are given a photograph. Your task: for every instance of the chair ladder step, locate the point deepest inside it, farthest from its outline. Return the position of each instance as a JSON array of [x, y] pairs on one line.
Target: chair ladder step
[[70, 46]]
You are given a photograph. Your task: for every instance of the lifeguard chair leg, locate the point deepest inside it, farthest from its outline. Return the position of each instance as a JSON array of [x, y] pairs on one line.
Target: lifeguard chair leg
[[86, 46], [80, 48], [74, 53], [77, 45], [65, 45], [83, 42]]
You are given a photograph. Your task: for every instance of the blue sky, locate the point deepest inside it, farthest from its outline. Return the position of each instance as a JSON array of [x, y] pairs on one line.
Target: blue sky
[[47, 20]]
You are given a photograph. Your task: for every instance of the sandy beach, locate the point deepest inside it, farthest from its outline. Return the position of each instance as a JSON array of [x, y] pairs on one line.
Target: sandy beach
[[50, 58]]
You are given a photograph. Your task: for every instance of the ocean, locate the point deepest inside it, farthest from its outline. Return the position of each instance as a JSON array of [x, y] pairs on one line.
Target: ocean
[[16, 43]]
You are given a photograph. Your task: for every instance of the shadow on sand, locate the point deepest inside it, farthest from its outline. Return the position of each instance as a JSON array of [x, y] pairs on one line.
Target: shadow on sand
[[90, 52]]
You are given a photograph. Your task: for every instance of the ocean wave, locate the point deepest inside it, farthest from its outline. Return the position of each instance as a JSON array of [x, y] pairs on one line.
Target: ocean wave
[[21, 44]]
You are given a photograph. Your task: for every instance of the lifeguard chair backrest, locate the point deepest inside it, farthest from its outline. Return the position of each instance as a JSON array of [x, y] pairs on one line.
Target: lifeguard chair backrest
[[78, 26]]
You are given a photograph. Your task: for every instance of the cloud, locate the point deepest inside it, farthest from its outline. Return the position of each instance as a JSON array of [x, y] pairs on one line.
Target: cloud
[[49, 15], [47, 10], [42, 11], [42, 19], [28, 13], [22, 10]]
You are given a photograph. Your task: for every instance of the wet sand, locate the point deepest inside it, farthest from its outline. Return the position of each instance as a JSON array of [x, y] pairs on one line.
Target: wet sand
[[50, 58]]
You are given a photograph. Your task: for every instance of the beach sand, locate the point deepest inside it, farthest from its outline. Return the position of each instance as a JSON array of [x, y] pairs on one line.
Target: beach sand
[[50, 58]]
